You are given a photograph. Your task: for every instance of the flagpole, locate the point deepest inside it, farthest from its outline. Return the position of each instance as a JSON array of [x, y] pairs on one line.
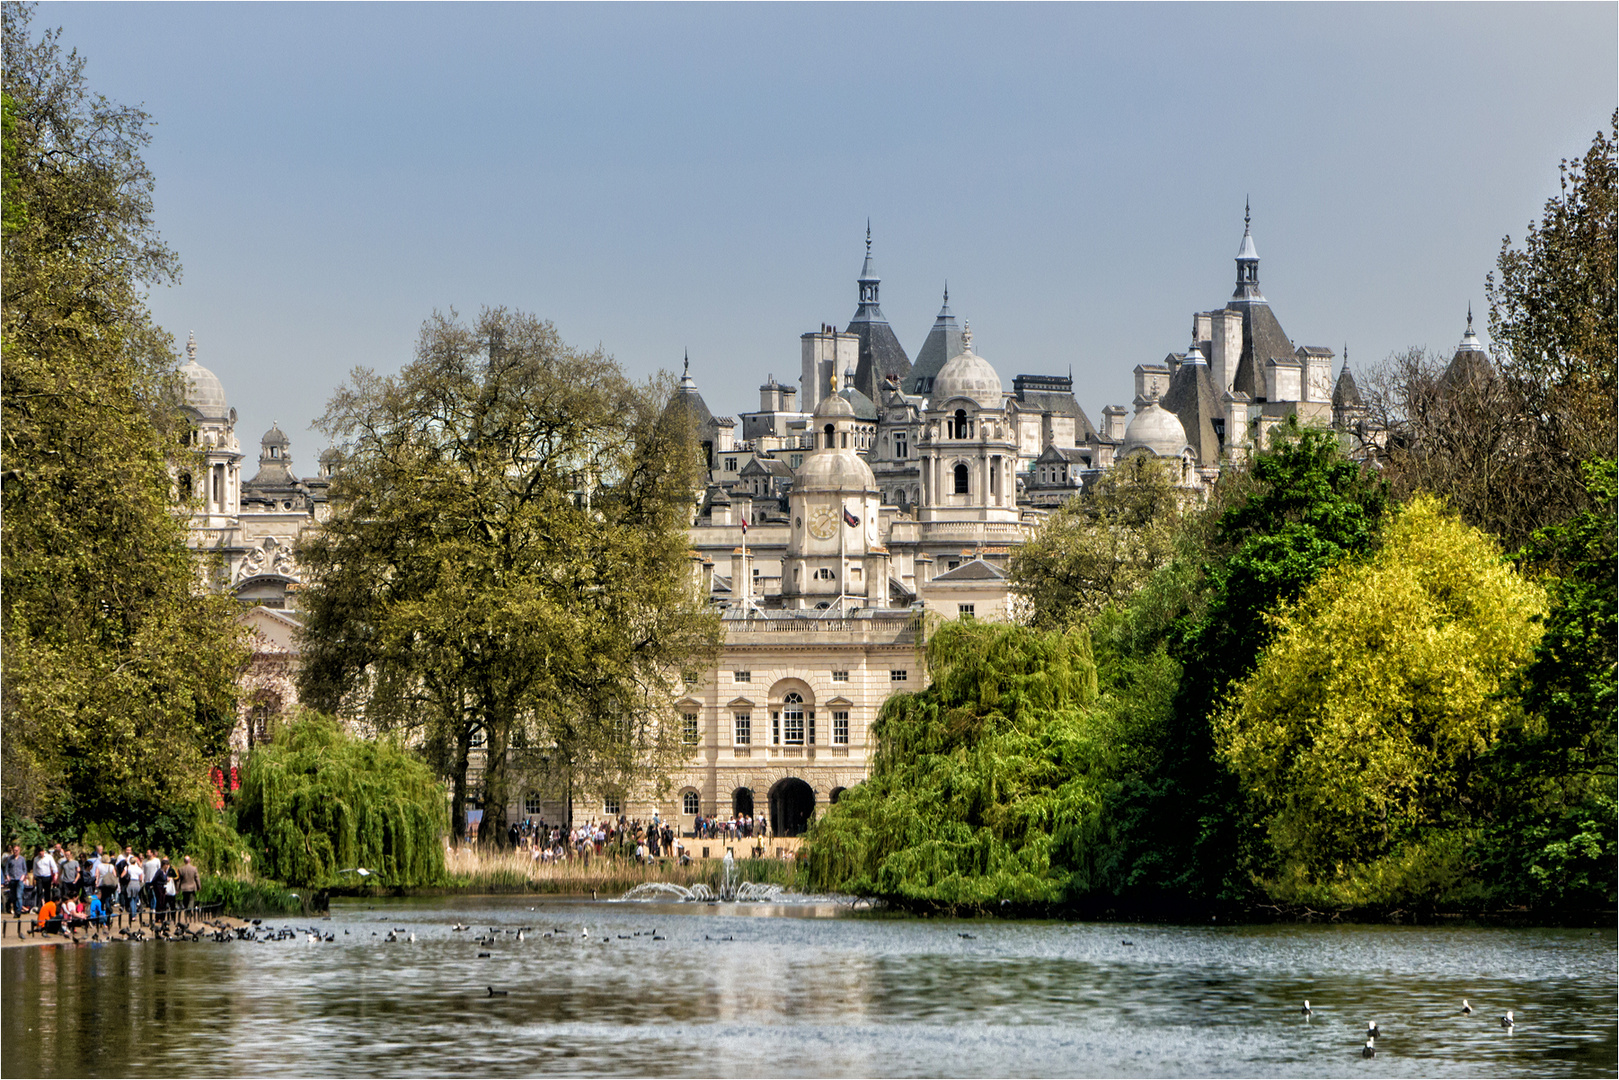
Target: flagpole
[[843, 559]]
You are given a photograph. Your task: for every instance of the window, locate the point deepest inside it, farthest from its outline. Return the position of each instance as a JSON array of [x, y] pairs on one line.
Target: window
[[741, 676], [899, 444], [898, 675], [688, 802], [961, 479], [840, 676], [531, 804], [964, 611], [792, 720], [688, 728], [744, 728], [840, 727], [730, 464], [823, 574], [952, 565], [610, 806]]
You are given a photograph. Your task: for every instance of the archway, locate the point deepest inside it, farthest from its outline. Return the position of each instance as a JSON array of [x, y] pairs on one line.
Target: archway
[[835, 794], [742, 801], [792, 804]]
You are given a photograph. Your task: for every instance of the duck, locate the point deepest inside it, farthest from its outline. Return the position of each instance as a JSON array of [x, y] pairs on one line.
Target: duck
[[1368, 1051], [1306, 1010], [1506, 1021], [1371, 1029], [498, 993], [1467, 1010]]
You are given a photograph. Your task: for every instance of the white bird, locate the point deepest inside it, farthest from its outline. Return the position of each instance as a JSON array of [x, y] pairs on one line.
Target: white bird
[[1306, 1010], [519, 935], [584, 931], [1506, 1021], [1467, 1010], [412, 936], [1368, 1050], [1371, 1029]]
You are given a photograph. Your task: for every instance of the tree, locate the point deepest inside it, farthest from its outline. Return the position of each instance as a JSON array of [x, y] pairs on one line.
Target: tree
[[118, 671], [318, 801], [1554, 314], [1358, 732], [506, 560], [1099, 546]]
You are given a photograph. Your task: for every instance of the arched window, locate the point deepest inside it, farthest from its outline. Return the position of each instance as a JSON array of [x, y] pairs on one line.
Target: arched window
[[961, 479], [829, 441], [792, 719], [689, 802], [961, 427]]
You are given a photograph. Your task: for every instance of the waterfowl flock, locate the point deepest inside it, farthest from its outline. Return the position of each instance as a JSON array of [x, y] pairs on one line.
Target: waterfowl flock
[[1373, 1032]]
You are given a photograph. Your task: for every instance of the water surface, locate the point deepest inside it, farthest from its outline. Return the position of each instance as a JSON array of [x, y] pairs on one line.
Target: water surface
[[810, 990]]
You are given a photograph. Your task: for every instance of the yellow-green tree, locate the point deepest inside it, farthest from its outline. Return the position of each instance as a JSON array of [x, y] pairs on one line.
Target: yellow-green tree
[[1356, 733]]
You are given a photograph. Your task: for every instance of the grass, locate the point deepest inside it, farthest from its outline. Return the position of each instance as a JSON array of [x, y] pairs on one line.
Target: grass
[[505, 872]]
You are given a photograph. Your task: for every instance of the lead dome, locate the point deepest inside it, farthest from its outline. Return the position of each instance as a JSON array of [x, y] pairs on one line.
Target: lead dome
[[967, 375], [205, 394], [1156, 430]]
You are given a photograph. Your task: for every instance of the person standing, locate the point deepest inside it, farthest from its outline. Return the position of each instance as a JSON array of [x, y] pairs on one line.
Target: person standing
[[148, 873], [106, 883], [70, 874], [132, 888], [45, 874], [190, 882], [16, 868], [157, 887]]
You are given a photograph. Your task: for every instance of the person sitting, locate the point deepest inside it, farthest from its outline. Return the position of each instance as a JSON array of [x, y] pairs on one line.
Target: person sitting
[[73, 916], [48, 921]]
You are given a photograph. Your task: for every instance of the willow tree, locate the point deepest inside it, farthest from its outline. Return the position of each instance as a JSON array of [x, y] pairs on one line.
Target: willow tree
[[318, 801], [1358, 733], [506, 561], [118, 672]]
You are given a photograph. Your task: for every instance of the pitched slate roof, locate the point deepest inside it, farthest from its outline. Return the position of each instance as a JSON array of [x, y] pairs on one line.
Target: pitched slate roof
[[943, 342], [881, 354], [1192, 398], [1262, 339], [1346, 394], [976, 570]]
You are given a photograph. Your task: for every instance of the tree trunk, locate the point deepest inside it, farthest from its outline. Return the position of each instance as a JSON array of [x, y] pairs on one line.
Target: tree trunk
[[458, 776], [495, 784]]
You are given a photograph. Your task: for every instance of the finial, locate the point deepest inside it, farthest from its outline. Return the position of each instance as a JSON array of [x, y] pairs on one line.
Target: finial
[[966, 335], [868, 236], [833, 381], [686, 370], [191, 346], [946, 292], [1470, 316], [1247, 213]]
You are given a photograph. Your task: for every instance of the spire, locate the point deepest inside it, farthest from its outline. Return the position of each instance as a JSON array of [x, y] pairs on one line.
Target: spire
[[687, 384], [944, 312], [868, 277], [1470, 342], [1194, 355], [1247, 260]]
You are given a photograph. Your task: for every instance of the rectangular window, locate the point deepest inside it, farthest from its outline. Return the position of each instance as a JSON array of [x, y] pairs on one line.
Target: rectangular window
[[688, 728], [840, 676], [840, 727], [730, 464], [953, 564], [899, 444], [610, 806], [744, 728], [964, 611], [741, 676], [531, 805], [792, 728], [775, 728], [898, 675]]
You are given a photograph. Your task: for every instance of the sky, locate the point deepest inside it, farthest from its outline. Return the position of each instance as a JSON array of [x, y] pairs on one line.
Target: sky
[[662, 178]]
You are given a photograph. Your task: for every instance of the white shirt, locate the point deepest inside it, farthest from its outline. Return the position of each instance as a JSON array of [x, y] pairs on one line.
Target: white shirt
[[136, 876], [44, 865], [149, 869]]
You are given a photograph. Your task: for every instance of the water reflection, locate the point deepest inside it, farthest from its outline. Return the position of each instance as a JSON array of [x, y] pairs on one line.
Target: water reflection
[[811, 990]]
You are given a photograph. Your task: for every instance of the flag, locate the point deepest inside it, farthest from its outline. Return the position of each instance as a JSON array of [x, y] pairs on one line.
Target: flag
[[849, 519], [744, 526]]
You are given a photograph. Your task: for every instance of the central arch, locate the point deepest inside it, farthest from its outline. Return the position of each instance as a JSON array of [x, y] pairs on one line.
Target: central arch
[[742, 802], [792, 804]]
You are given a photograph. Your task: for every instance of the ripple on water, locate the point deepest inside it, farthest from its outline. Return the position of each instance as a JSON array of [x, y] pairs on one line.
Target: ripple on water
[[794, 990]]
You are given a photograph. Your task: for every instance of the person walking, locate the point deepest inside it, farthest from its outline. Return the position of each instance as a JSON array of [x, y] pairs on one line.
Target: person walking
[[190, 882], [106, 883], [45, 874], [132, 888]]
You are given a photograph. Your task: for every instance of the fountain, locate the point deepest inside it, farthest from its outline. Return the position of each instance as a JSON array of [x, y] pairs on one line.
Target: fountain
[[730, 889]]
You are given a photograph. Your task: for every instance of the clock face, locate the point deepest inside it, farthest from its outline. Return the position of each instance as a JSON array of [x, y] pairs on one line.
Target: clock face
[[823, 522]]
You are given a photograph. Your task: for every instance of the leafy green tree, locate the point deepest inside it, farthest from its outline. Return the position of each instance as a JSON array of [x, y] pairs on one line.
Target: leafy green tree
[[984, 784], [506, 561], [1099, 546], [1357, 734], [318, 801], [118, 672], [1550, 782]]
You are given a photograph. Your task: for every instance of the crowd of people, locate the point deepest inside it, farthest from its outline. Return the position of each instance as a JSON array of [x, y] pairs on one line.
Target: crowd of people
[[624, 838], [61, 889]]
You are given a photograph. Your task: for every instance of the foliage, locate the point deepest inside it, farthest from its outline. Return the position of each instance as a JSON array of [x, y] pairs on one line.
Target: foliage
[[118, 673], [506, 560], [1357, 733], [1552, 779], [981, 782], [317, 801], [1099, 546], [241, 897], [1554, 313]]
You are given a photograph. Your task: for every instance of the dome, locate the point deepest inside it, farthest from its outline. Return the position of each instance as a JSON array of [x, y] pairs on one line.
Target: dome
[[841, 471], [967, 375], [1155, 429], [275, 436], [834, 407], [204, 392]]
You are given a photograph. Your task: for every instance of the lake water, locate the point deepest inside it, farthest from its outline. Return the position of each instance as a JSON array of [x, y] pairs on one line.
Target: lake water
[[810, 990]]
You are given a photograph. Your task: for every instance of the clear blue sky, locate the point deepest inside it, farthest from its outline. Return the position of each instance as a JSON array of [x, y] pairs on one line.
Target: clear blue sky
[[664, 177]]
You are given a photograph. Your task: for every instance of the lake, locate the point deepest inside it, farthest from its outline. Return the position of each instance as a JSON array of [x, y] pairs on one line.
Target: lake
[[810, 990]]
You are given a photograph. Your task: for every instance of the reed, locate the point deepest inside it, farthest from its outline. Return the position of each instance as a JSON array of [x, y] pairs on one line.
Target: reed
[[516, 871]]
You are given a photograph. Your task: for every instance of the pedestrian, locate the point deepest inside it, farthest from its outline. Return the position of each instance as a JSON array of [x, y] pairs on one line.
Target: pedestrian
[[190, 880], [148, 872], [106, 883], [132, 888], [69, 871], [157, 887], [16, 868], [45, 874]]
